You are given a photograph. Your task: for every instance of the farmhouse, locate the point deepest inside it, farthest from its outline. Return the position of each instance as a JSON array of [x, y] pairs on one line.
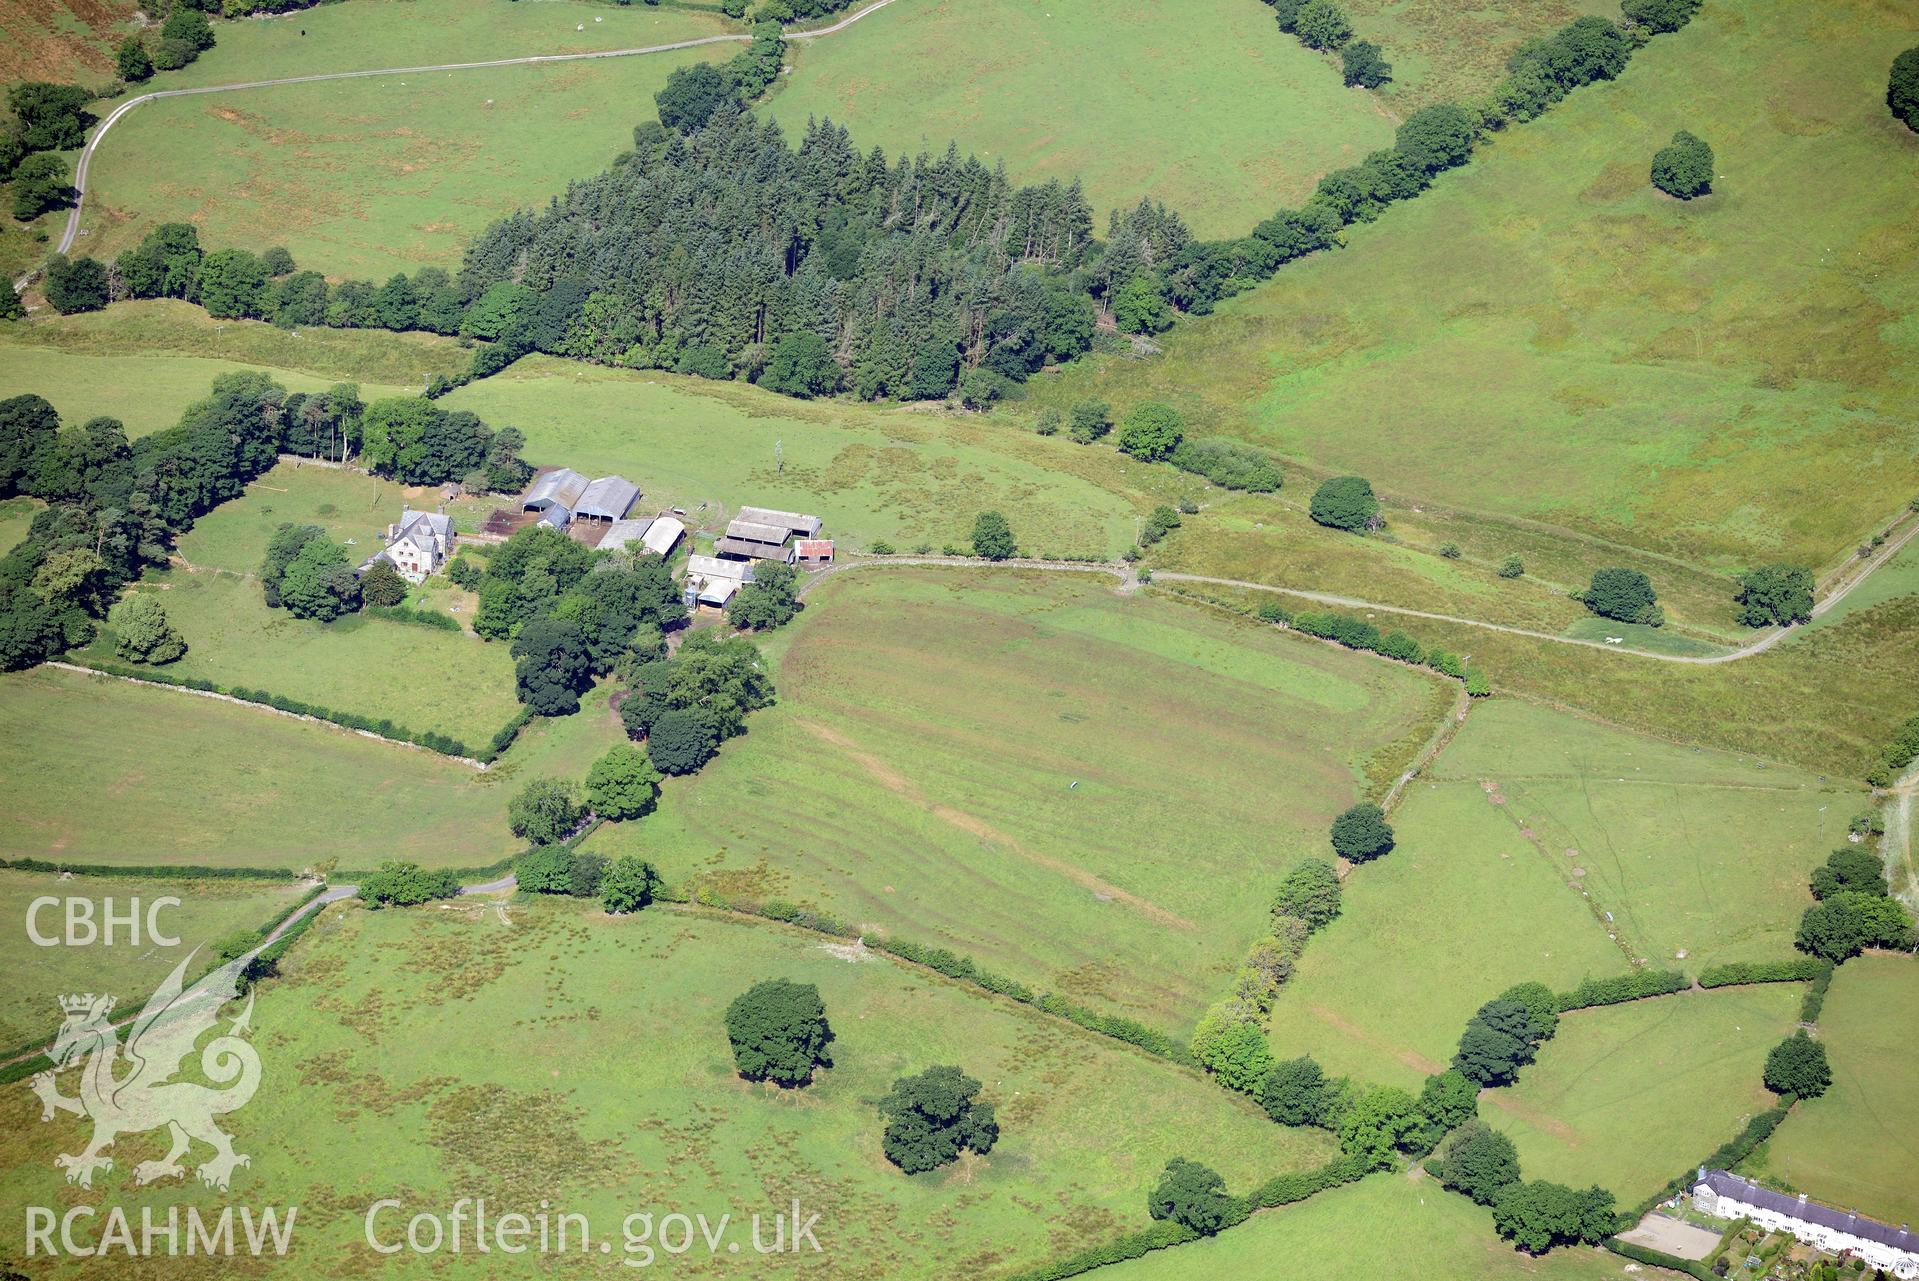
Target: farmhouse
[[759, 533], [1727, 1196], [417, 546]]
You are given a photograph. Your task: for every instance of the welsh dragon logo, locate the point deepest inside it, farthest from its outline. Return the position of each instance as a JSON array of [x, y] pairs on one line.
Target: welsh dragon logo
[[126, 1090]]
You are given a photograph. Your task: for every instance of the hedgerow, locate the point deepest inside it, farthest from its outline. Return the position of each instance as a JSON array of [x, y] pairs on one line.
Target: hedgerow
[[1798, 970], [1621, 988]]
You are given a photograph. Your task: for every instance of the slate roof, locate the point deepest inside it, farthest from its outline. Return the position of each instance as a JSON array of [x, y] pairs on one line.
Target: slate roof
[[625, 532], [1726, 1184], [795, 522]]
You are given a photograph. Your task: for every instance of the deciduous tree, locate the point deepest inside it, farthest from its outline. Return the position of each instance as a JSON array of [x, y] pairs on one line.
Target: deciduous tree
[[546, 811], [779, 1033], [142, 633], [1345, 502], [934, 1116], [1191, 1195], [1797, 1065], [1362, 833], [623, 784]]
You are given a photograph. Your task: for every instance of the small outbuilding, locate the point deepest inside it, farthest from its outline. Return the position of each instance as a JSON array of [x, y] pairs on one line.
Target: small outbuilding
[[561, 487]]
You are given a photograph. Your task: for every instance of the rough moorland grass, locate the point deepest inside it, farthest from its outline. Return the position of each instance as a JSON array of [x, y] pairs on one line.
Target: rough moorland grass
[[1455, 53], [1728, 380], [1203, 104], [385, 1076], [1091, 794], [382, 363], [68, 42], [1826, 700], [368, 177], [902, 476], [1460, 910], [208, 910], [1700, 857], [1896, 578], [1386, 1226], [1854, 1146], [1627, 1096], [102, 771]]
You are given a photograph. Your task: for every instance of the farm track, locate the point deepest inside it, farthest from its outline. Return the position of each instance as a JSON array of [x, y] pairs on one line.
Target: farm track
[[72, 230]]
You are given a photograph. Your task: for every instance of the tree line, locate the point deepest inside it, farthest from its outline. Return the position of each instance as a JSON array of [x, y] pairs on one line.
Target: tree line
[[115, 506]]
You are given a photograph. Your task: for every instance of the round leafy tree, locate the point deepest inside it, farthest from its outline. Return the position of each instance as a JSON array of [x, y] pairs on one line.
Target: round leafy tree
[[1191, 1195], [1683, 167], [1363, 65], [680, 741], [1902, 88], [1775, 595], [1321, 24], [1362, 833], [1478, 1161], [1625, 595], [1659, 15], [1309, 892], [779, 1032], [1797, 1065], [1150, 431], [932, 1117], [622, 784], [1294, 1092], [546, 870], [142, 632], [1345, 502], [1379, 1120], [545, 811], [992, 536], [628, 884], [552, 667]]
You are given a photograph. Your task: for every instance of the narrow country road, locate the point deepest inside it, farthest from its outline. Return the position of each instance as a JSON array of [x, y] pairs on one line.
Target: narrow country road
[[1129, 581], [80, 169]]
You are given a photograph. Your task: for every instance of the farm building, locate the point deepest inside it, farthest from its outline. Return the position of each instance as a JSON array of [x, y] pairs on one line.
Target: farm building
[[562, 495], [417, 545], [713, 581], [560, 487], [1727, 1196], [759, 533], [609, 498], [660, 535]]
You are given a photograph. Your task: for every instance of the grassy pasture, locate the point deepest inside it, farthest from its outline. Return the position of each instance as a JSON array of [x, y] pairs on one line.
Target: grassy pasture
[[102, 771], [1825, 700], [1898, 577], [1729, 380], [70, 41], [384, 1077], [1627, 1096], [1460, 910], [1386, 1226], [904, 476], [406, 33], [207, 911], [1700, 853], [419, 677], [16, 518], [1854, 1145], [1202, 104], [1092, 794], [367, 177]]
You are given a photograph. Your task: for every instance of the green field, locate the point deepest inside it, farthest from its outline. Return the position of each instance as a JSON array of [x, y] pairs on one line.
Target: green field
[[1387, 1226], [1629, 1096], [207, 911], [384, 1077], [144, 362], [1854, 1146], [1461, 909], [1202, 104], [16, 518], [1898, 577], [903, 476], [1086, 792], [70, 41], [1700, 857], [1730, 380], [367, 177], [102, 771]]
